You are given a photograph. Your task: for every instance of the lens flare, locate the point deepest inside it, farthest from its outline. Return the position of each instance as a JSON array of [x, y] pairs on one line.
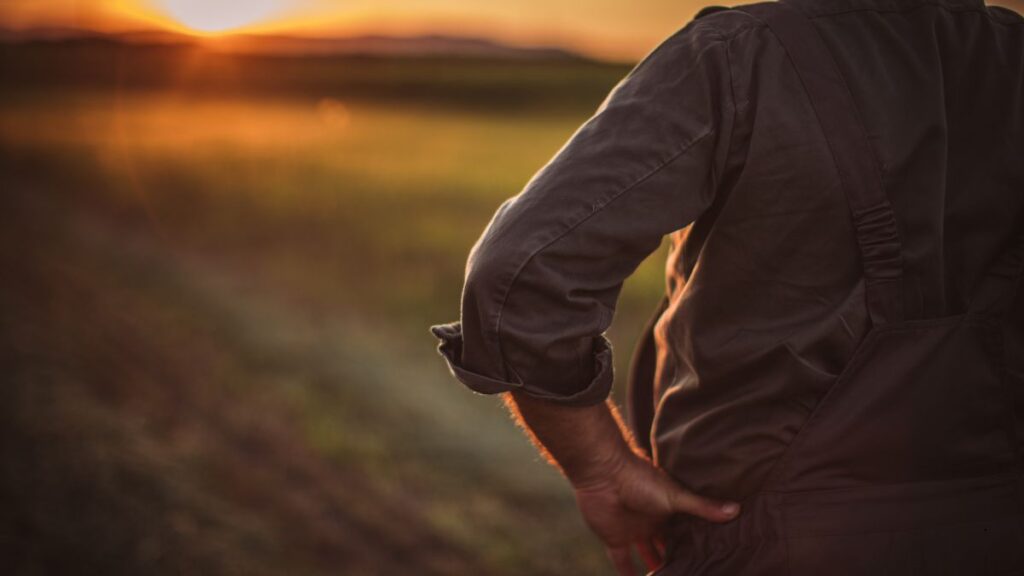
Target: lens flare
[[216, 16]]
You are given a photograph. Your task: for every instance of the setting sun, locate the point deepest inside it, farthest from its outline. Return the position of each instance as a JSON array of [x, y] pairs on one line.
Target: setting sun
[[215, 16]]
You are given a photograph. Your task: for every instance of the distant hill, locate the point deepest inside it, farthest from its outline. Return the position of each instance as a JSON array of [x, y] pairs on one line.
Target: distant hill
[[439, 70], [423, 45], [426, 45]]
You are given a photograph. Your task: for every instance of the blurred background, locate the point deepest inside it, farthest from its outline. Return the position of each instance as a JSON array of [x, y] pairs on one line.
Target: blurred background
[[225, 228]]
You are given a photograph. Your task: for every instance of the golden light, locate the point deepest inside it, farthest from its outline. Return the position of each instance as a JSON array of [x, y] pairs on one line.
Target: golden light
[[218, 16]]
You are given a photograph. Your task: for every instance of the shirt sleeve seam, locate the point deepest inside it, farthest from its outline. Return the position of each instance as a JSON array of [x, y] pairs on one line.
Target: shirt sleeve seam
[[598, 208]]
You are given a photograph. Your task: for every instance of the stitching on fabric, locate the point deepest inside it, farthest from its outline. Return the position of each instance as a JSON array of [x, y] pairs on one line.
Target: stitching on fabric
[[999, 477], [750, 26], [597, 208], [755, 24], [719, 39], [910, 530], [916, 324], [778, 501]]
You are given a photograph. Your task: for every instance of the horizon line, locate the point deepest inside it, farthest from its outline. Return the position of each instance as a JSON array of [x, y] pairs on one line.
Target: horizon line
[[60, 32]]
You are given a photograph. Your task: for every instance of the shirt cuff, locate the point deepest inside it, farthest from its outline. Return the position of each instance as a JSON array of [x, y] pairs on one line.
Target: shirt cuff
[[596, 391]]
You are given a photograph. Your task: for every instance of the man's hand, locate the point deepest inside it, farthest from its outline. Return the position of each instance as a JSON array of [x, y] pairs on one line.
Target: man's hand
[[623, 497], [629, 505]]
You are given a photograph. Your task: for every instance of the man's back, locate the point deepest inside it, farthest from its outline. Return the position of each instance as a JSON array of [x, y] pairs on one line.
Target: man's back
[[767, 302], [843, 345]]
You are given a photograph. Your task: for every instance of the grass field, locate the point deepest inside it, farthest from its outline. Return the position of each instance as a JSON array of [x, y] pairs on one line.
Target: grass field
[[217, 301]]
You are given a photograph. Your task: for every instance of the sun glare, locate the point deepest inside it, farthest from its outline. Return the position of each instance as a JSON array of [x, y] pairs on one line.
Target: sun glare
[[219, 16]]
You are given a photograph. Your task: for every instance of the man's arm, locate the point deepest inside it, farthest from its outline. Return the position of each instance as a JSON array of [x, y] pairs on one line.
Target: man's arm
[[542, 281], [622, 496]]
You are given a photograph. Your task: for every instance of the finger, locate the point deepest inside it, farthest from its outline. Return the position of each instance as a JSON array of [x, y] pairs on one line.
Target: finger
[[683, 500], [650, 554], [622, 560]]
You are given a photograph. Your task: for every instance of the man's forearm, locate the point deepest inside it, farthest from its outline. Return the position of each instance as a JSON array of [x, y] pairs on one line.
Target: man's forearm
[[624, 498], [586, 443]]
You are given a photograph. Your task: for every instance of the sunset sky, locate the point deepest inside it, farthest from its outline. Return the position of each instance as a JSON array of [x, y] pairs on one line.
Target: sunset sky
[[604, 28]]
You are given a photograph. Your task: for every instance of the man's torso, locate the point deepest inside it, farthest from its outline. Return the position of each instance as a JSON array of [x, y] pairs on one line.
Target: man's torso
[[766, 291]]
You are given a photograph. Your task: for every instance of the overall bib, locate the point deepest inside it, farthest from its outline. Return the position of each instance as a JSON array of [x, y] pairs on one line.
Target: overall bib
[[909, 464]]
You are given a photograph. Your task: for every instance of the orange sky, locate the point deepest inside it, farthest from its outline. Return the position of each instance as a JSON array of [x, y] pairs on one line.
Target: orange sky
[[616, 29]]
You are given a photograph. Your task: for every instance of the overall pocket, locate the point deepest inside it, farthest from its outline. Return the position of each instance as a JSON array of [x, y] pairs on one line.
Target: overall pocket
[[955, 527], [921, 401]]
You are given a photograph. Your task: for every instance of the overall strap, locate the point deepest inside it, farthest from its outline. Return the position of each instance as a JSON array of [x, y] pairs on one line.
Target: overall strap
[[873, 219]]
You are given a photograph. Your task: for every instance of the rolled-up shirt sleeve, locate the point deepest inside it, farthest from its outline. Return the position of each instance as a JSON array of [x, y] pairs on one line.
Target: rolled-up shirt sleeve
[[543, 279]]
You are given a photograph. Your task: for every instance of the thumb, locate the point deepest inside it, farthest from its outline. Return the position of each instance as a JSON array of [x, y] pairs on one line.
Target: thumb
[[682, 500]]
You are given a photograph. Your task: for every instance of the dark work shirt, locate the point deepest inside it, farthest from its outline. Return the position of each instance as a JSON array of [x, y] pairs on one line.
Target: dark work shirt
[[711, 140]]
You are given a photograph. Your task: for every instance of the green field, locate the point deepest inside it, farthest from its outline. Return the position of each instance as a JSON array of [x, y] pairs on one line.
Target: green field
[[216, 306]]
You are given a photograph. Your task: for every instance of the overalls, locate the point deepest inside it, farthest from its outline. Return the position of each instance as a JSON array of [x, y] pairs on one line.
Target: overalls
[[909, 464]]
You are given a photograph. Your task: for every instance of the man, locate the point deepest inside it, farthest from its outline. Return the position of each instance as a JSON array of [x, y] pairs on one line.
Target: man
[[840, 360]]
